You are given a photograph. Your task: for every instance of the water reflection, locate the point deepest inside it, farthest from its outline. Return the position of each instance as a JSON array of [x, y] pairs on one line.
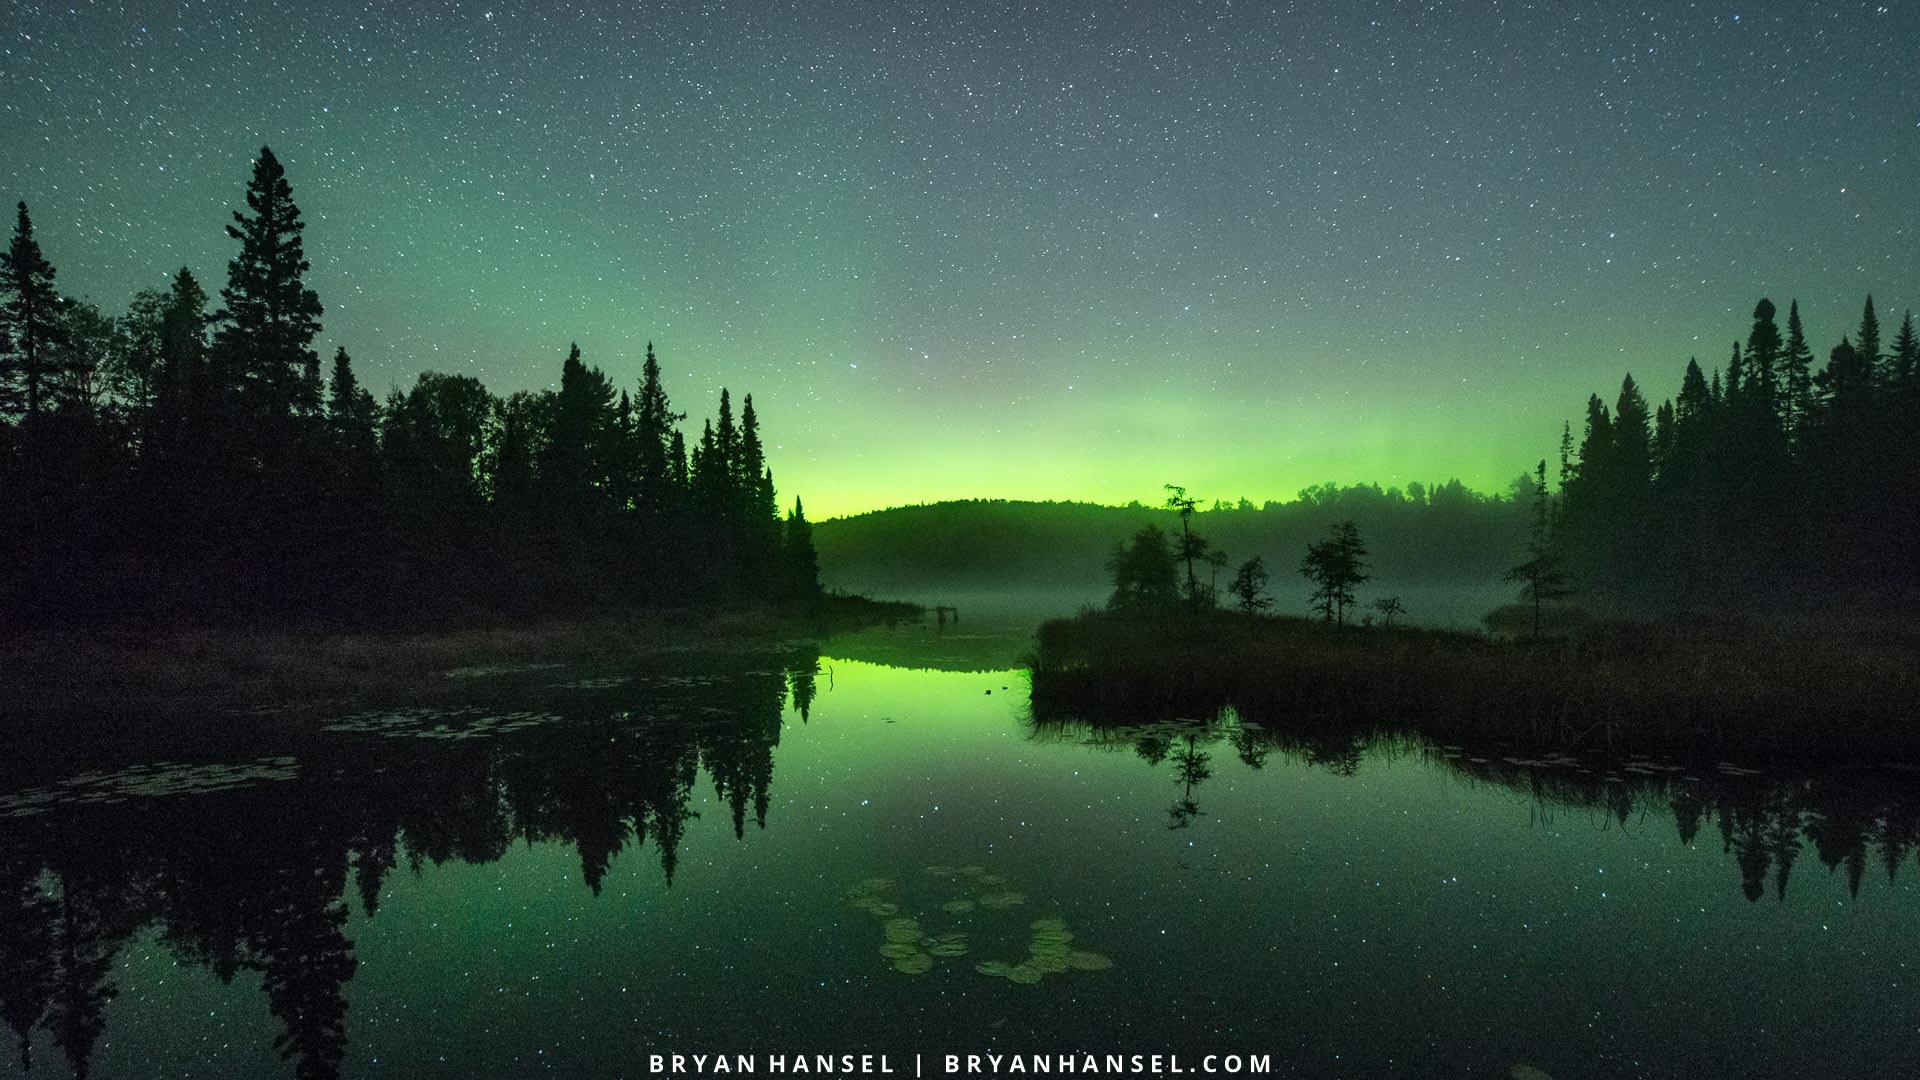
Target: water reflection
[[1764, 821], [254, 878], [254, 867]]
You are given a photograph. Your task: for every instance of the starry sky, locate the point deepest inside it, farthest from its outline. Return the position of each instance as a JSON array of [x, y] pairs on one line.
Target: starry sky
[[1027, 250]]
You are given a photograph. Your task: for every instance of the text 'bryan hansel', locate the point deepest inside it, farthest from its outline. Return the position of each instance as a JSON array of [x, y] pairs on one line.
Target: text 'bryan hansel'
[[771, 1064]]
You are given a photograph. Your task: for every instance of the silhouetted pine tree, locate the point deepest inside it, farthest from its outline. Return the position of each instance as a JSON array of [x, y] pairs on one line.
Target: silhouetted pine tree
[[1796, 379], [802, 562], [32, 323], [263, 352]]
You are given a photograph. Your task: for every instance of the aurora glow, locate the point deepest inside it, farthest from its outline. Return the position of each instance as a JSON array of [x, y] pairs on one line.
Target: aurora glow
[[1055, 250]]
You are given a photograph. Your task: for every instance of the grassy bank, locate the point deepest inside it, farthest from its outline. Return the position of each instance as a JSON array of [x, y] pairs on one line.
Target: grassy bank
[[165, 669], [1617, 688]]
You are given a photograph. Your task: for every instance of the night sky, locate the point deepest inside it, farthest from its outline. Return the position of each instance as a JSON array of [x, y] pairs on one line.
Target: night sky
[[1054, 250]]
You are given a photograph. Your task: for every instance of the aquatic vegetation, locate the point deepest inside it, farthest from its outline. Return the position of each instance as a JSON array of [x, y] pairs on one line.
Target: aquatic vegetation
[[912, 949], [1047, 964], [1523, 1071]]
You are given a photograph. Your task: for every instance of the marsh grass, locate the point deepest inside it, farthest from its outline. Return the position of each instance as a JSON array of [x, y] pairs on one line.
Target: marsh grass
[[1613, 687]]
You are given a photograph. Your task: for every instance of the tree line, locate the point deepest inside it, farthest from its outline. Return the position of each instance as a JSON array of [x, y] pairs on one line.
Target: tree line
[[194, 456], [1769, 481]]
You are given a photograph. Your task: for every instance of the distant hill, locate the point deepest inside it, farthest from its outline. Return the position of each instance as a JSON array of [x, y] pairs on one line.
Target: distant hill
[[1447, 535]]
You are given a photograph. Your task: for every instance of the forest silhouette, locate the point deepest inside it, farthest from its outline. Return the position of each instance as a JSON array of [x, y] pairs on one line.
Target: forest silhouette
[[192, 458]]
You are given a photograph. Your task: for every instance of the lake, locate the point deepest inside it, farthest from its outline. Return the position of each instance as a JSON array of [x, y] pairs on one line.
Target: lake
[[867, 845]]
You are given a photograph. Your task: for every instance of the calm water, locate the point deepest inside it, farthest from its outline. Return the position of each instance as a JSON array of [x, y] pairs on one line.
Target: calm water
[[555, 873]]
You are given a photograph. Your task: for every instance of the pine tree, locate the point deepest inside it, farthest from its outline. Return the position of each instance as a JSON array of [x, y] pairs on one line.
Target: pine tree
[[574, 468], [1763, 359], [264, 342], [350, 410], [654, 438], [1903, 363], [754, 481], [1867, 342], [1632, 448], [32, 323], [1796, 378], [803, 562], [1542, 579], [1335, 565]]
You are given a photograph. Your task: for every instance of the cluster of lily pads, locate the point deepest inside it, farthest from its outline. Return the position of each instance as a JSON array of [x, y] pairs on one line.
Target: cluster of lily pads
[[1050, 952], [911, 949], [908, 947]]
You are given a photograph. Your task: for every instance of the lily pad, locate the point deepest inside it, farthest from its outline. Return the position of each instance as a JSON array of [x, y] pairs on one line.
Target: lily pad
[[1088, 961], [1048, 926], [882, 909], [1024, 974], [971, 871], [902, 930], [899, 950], [1053, 937], [992, 879], [873, 884], [1048, 963], [1523, 1071], [940, 871], [948, 948], [1002, 900], [957, 907], [917, 964], [999, 969]]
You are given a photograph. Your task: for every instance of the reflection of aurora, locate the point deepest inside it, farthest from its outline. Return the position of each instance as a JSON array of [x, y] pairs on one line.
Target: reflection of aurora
[[1765, 822], [246, 867]]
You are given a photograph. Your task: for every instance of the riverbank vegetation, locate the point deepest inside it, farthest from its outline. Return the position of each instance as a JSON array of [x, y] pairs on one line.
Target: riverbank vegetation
[[1617, 688]]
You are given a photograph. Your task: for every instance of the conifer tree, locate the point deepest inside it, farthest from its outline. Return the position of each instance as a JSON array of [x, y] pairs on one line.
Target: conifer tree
[[574, 467], [1903, 362], [32, 322], [1335, 565], [1632, 447], [350, 410], [754, 481], [1796, 375], [654, 439], [264, 342], [1763, 358], [803, 562], [1867, 342]]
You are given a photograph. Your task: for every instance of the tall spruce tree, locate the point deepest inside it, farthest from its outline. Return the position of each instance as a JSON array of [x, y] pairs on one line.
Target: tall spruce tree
[[1796, 376], [654, 436], [264, 344], [1867, 342], [32, 323]]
